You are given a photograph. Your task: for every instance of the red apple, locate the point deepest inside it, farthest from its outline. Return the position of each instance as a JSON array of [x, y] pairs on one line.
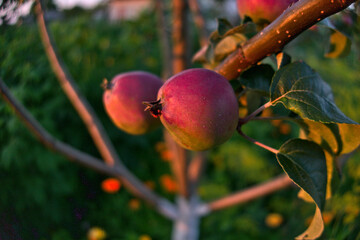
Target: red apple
[[198, 107], [123, 99], [260, 10]]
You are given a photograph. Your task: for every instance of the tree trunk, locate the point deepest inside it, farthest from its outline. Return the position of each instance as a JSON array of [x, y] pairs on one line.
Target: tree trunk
[[186, 227]]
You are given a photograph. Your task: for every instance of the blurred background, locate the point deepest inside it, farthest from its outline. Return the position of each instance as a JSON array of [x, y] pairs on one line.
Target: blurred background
[[45, 196]]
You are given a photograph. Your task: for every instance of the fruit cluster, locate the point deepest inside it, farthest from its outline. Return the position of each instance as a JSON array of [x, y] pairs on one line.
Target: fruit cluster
[[197, 106]]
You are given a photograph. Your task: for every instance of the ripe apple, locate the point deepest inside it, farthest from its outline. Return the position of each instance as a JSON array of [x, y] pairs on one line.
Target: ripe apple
[[260, 10], [123, 98], [198, 107]]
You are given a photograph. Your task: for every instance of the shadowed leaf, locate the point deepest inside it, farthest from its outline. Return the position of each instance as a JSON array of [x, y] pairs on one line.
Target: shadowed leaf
[[304, 162], [258, 78]]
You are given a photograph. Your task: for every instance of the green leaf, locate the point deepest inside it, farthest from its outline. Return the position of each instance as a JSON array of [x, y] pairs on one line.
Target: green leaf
[[339, 45], [228, 45], [254, 100], [304, 162], [357, 7], [336, 140], [302, 91], [223, 26], [223, 41], [248, 29], [258, 78]]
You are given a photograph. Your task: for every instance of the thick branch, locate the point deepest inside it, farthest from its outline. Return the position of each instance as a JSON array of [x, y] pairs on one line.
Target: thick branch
[[276, 184], [129, 181], [199, 22], [294, 20], [270, 149]]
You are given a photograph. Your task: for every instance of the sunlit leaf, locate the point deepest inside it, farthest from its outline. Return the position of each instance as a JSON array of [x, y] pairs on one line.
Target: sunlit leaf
[[223, 41], [315, 229], [337, 138], [302, 91], [228, 45], [282, 59], [340, 45], [304, 162], [200, 56]]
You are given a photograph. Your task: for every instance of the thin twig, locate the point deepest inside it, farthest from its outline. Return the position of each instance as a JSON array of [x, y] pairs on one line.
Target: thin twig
[[246, 195], [195, 170], [274, 118], [162, 205], [130, 182], [293, 21], [47, 139], [255, 113], [93, 125], [199, 22], [70, 88], [273, 150]]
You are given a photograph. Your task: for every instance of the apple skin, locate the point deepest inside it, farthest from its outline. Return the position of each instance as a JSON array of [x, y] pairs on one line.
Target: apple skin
[[259, 10], [199, 108], [123, 100]]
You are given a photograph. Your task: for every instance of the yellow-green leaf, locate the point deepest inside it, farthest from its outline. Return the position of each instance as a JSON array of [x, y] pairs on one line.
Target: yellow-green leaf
[[228, 45], [304, 162], [339, 45]]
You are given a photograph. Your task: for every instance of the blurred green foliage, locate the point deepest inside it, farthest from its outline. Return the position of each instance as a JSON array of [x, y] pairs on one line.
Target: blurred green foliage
[[44, 196]]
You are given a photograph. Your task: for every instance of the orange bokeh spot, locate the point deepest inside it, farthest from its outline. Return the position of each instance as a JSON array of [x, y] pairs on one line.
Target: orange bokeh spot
[[267, 112], [160, 146], [168, 183], [111, 185], [150, 184], [96, 233], [276, 123], [274, 220], [328, 217], [166, 155], [285, 128], [144, 237], [134, 204], [243, 100]]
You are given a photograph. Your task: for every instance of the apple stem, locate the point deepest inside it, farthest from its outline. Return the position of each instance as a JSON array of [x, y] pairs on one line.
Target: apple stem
[[273, 150], [155, 108], [106, 84]]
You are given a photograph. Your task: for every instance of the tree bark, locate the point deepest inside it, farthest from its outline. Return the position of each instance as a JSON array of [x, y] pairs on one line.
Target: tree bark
[[272, 39], [186, 227]]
